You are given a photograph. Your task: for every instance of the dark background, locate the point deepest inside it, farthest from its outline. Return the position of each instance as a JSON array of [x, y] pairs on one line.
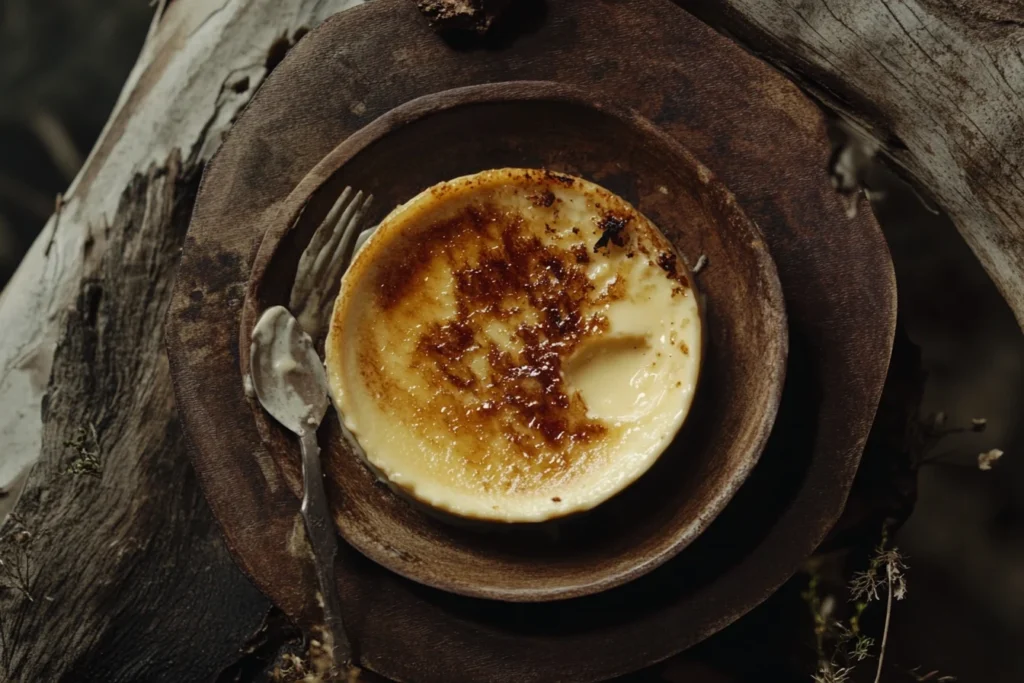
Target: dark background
[[62, 65]]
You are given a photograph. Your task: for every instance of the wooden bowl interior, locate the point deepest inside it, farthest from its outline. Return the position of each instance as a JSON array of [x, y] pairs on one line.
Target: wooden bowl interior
[[745, 341]]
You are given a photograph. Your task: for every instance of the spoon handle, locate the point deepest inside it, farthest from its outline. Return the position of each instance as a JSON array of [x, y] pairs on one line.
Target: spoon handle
[[323, 539]]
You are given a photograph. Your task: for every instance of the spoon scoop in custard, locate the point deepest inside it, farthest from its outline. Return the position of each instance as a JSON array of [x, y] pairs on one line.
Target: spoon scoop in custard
[[514, 345]]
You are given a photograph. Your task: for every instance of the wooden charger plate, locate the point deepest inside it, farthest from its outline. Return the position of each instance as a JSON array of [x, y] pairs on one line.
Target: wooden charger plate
[[547, 125], [756, 132]]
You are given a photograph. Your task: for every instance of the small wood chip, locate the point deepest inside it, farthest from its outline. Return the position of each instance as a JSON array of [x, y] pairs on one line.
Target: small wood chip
[[475, 16]]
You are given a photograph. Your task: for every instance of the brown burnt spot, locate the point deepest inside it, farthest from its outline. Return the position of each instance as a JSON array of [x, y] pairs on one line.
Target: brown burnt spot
[[685, 348], [402, 269], [575, 230], [613, 229], [536, 292], [371, 366], [447, 344], [556, 499], [440, 190], [668, 262], [544, 199], [560, 179]]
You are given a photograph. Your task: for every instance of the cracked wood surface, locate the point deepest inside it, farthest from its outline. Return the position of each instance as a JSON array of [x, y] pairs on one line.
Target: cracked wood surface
[[199, 66], [113, 568], [114, 538]]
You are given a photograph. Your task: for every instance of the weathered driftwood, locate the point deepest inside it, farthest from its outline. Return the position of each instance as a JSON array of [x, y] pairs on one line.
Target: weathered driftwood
[[938, 85], [199, 66], [112, 501]]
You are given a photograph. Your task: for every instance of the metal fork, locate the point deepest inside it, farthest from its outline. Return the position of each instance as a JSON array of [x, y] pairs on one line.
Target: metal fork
[[325, 259]]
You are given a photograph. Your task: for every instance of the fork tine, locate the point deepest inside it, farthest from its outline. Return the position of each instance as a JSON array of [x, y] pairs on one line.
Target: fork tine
[[323, 259], [306, 280], [326, 229], [342, 255]]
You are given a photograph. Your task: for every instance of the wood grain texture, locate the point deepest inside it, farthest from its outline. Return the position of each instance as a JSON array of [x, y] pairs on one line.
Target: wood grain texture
[[939, 85], [200, 65], [752, 127], [112, 538], [743, 362], [130, 581]]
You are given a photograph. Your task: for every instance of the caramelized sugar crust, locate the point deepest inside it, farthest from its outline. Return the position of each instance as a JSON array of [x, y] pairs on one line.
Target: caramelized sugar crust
[[470, 307]]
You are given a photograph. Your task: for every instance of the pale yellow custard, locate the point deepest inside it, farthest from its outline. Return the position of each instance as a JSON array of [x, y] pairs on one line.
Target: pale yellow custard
[[514, 346]]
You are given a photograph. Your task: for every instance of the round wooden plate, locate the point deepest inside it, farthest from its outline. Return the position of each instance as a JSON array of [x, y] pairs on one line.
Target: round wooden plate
[[547, 125], [753, 128]]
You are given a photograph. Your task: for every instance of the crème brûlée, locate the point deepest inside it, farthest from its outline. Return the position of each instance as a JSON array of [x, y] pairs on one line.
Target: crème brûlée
[[515, 346]]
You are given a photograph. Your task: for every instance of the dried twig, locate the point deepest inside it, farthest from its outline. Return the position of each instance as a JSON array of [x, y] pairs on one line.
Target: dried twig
[[885, 629], [930, 432], [829, 673], [848, 645], [865, 587]]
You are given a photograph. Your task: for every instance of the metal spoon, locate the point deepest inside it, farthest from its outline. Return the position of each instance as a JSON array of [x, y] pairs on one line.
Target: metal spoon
[[291, 385]]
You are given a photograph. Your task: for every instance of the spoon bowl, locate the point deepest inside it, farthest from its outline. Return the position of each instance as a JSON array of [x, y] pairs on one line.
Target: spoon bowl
[[286, 372]]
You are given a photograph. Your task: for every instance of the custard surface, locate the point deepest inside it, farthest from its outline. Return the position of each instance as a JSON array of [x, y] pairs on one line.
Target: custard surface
[[515, 345]]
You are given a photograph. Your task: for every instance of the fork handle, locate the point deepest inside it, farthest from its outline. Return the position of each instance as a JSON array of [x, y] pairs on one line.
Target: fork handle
[[324, 541]]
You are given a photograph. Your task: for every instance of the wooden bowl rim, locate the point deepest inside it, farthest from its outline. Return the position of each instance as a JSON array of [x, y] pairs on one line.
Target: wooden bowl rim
[[287, 214]]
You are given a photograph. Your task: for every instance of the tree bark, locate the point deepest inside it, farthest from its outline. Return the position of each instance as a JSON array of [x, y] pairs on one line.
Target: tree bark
[[111, 537], [112, 502], [83, 376]]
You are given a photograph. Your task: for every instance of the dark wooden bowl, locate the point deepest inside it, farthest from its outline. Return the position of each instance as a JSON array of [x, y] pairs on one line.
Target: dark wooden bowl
[[547, 125], [755, 129]]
